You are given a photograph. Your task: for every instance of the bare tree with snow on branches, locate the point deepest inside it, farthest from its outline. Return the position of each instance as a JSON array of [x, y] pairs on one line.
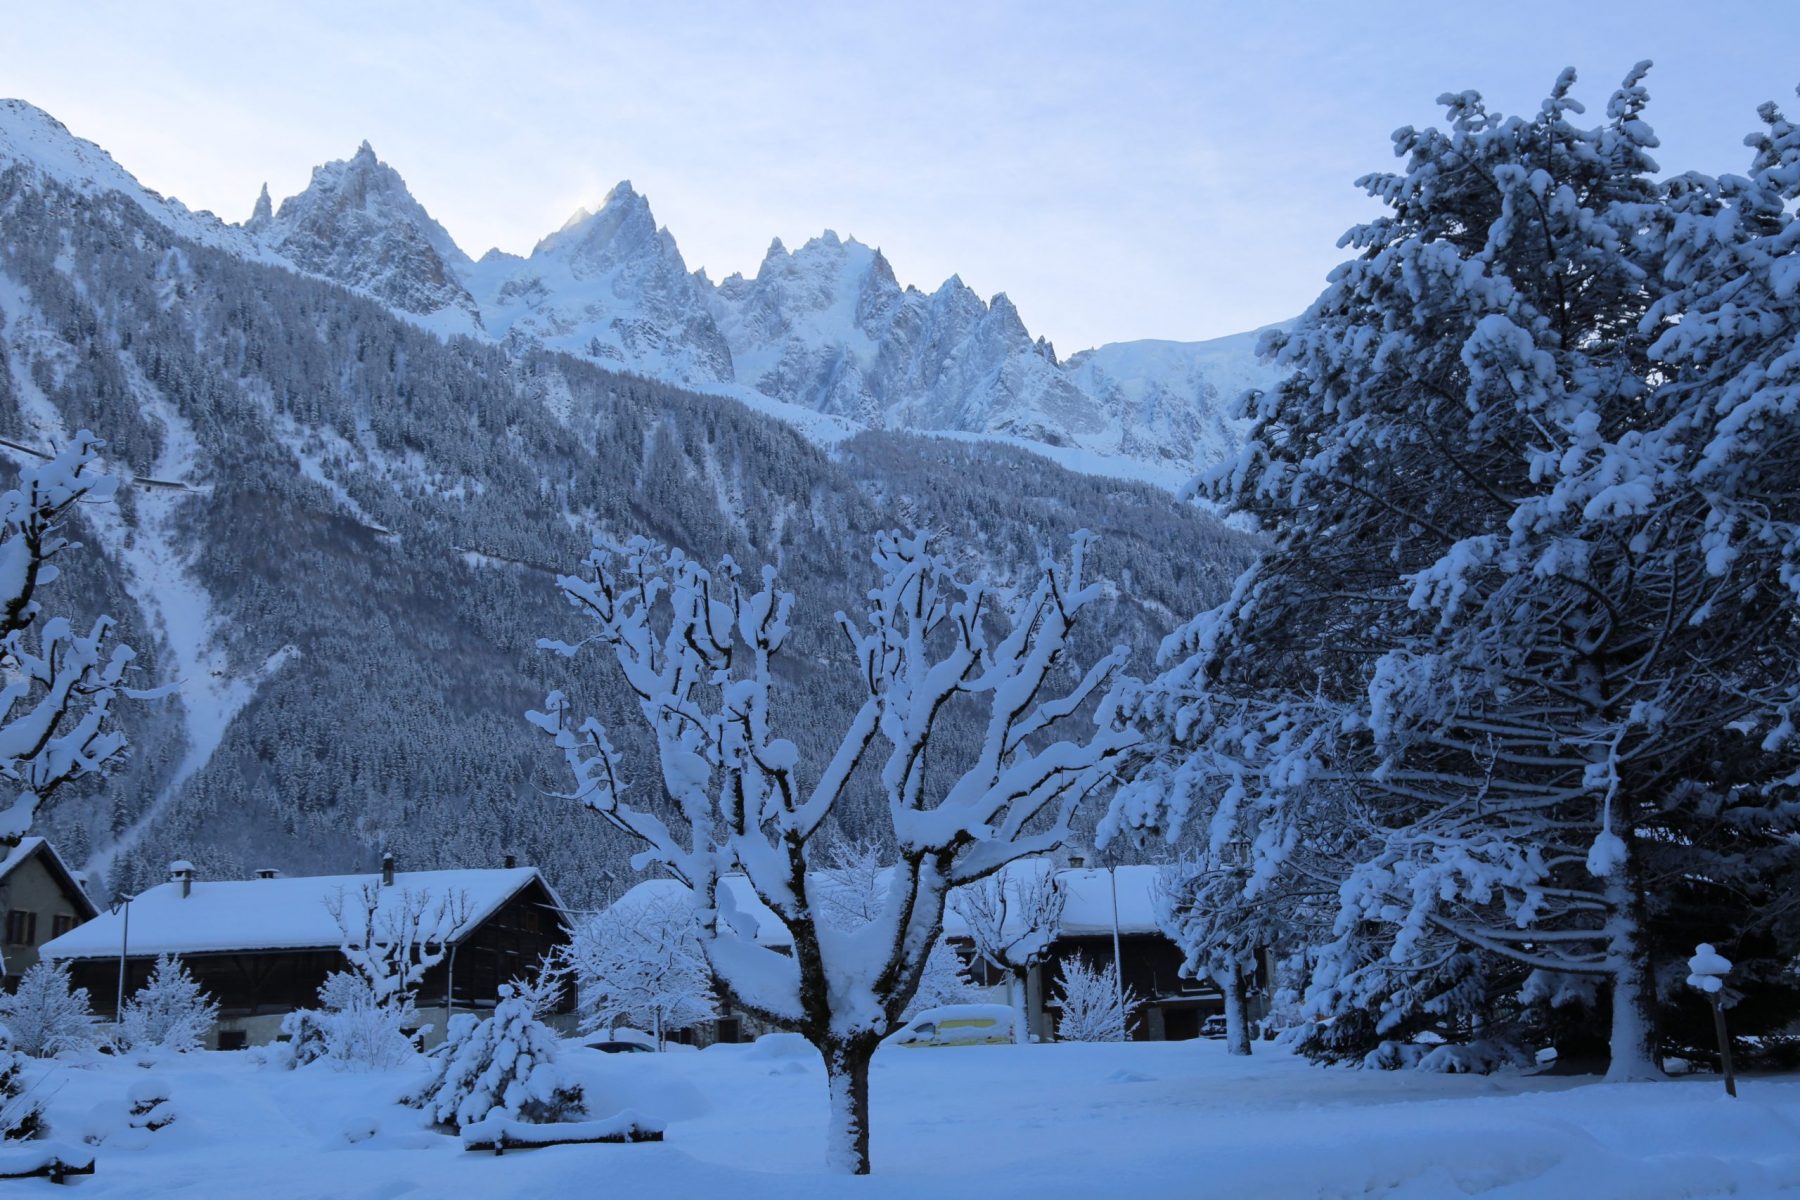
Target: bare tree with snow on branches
[[392, 937], [1013, 917], [697, 648]]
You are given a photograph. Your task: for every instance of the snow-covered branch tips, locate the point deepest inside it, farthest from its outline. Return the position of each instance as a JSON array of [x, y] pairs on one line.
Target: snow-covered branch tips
[[696, 648], [58, 694]]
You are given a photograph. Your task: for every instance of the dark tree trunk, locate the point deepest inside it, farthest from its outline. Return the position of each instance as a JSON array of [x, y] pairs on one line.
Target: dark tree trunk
[[847, 1076]]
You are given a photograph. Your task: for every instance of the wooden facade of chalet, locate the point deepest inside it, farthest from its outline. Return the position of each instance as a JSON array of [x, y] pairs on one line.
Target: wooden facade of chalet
[[519, 922], [507, 945]]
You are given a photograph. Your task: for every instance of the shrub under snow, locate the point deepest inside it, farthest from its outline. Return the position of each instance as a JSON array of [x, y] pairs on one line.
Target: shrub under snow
[[506, 1062], [170, 1012], [1094, 1008], [21, 1112], [46, 1016]]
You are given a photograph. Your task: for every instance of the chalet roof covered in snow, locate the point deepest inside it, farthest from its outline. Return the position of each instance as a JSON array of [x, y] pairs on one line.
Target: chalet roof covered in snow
[[1087, 907], [283, 913]]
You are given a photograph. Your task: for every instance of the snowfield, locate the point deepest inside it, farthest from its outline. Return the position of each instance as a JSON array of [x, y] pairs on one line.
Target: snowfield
[[1148, 1119]]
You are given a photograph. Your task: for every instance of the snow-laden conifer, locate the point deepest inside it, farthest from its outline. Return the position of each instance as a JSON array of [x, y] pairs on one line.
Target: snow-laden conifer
[[507, 1061], [170, 1012], [1525, 626], [46, 1015]]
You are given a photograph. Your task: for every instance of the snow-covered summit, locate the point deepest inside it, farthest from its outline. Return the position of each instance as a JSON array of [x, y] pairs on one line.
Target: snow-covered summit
[[610, 285], [358, 223], [33, 140]]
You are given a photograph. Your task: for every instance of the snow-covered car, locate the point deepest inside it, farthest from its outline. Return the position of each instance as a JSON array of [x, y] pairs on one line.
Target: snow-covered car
[[620, 1041], [1213, 1027], [957, 1025]]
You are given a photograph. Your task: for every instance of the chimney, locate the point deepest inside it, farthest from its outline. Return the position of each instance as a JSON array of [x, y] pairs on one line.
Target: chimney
[[387, 870], [267, 873], [181, 871], [509, 862]]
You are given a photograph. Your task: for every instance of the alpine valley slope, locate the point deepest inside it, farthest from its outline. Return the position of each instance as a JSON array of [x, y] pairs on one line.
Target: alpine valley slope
[[350, 579]]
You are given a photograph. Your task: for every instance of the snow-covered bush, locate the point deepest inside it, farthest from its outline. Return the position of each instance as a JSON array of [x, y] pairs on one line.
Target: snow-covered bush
[[1093, 1006], [639, 963], [21, 1110], [147, 1105], [360, 1028], [170, 1012], [507, 1061], [1480, 1057], [45, 1016]]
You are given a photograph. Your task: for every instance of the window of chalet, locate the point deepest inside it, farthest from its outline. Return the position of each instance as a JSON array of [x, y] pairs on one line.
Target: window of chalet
[[61, 923], [21, 927]]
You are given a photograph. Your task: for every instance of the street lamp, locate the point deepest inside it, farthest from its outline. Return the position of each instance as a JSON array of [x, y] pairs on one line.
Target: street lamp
[[118, 906], [1110, 861]]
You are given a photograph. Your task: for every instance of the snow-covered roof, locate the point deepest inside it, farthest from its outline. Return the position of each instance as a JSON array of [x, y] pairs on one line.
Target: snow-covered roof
[[284, 913], [1087, 907], [29, 848]]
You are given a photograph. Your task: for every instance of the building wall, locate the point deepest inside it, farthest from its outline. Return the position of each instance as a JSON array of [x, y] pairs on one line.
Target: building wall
[[256, 989], [32, 887]]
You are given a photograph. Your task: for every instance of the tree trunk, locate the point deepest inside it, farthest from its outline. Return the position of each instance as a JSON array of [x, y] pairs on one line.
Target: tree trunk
[[1020, 981], [847, 1135], [1237, 1025], [1632, 1047]]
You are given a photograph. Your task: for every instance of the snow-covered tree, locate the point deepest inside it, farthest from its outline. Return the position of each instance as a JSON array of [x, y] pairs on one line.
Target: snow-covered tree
[[507, 1061], [45, 1015], [1090, 1003], [698, 649], [851, 891], [393, 935], [60, 684], [355, 1025], [1511, 611], [170, 1012], [639, 963], [1012, 918]]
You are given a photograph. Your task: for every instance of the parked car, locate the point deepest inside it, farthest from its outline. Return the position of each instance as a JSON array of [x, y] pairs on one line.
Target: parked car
[[1213, 1027], [620, 1041], [957, 1025]]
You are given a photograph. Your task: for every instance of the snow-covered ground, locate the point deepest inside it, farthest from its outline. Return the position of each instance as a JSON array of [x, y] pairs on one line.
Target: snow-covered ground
[[1172, 1119]]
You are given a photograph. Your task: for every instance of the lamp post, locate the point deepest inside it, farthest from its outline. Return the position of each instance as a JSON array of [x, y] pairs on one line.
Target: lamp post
[[1707, 971], [122, 905], [1110, 861]]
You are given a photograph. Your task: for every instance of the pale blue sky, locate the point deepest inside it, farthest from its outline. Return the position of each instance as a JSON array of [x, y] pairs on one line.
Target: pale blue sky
[[1122, 170]]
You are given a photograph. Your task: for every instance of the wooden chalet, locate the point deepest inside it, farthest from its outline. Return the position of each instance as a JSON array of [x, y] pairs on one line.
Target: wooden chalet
[[262, 947], [40, 899]]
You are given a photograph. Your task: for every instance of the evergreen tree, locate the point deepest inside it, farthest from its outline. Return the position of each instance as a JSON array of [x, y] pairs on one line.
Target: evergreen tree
[[45, 1015], [170, 1012], [507, 1061]]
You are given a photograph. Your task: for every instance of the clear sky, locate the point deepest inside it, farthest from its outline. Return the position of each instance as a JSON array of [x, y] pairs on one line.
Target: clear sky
[[1120, 169]]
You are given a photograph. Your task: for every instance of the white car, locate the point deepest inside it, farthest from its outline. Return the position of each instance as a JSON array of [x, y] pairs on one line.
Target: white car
[[957, 1025]]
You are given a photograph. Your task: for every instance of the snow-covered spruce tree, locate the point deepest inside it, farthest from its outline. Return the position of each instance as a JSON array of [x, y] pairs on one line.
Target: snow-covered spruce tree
[[1013, 917], [45, 1016], [944, 980], [59, 684], [698, 649], [170, 1012], [1488, 615], [1091, 1005], [639, 963], [506, 1061]]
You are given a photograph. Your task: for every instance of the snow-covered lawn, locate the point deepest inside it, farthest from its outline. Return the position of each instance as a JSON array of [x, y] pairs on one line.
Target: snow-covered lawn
[[1137, 1120]]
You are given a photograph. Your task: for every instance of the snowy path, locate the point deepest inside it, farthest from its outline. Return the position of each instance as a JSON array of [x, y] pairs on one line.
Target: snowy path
[[1146, 1120]]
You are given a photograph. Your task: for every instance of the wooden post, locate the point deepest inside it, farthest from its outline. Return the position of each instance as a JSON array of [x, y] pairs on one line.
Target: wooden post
[[1724, 1046]]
